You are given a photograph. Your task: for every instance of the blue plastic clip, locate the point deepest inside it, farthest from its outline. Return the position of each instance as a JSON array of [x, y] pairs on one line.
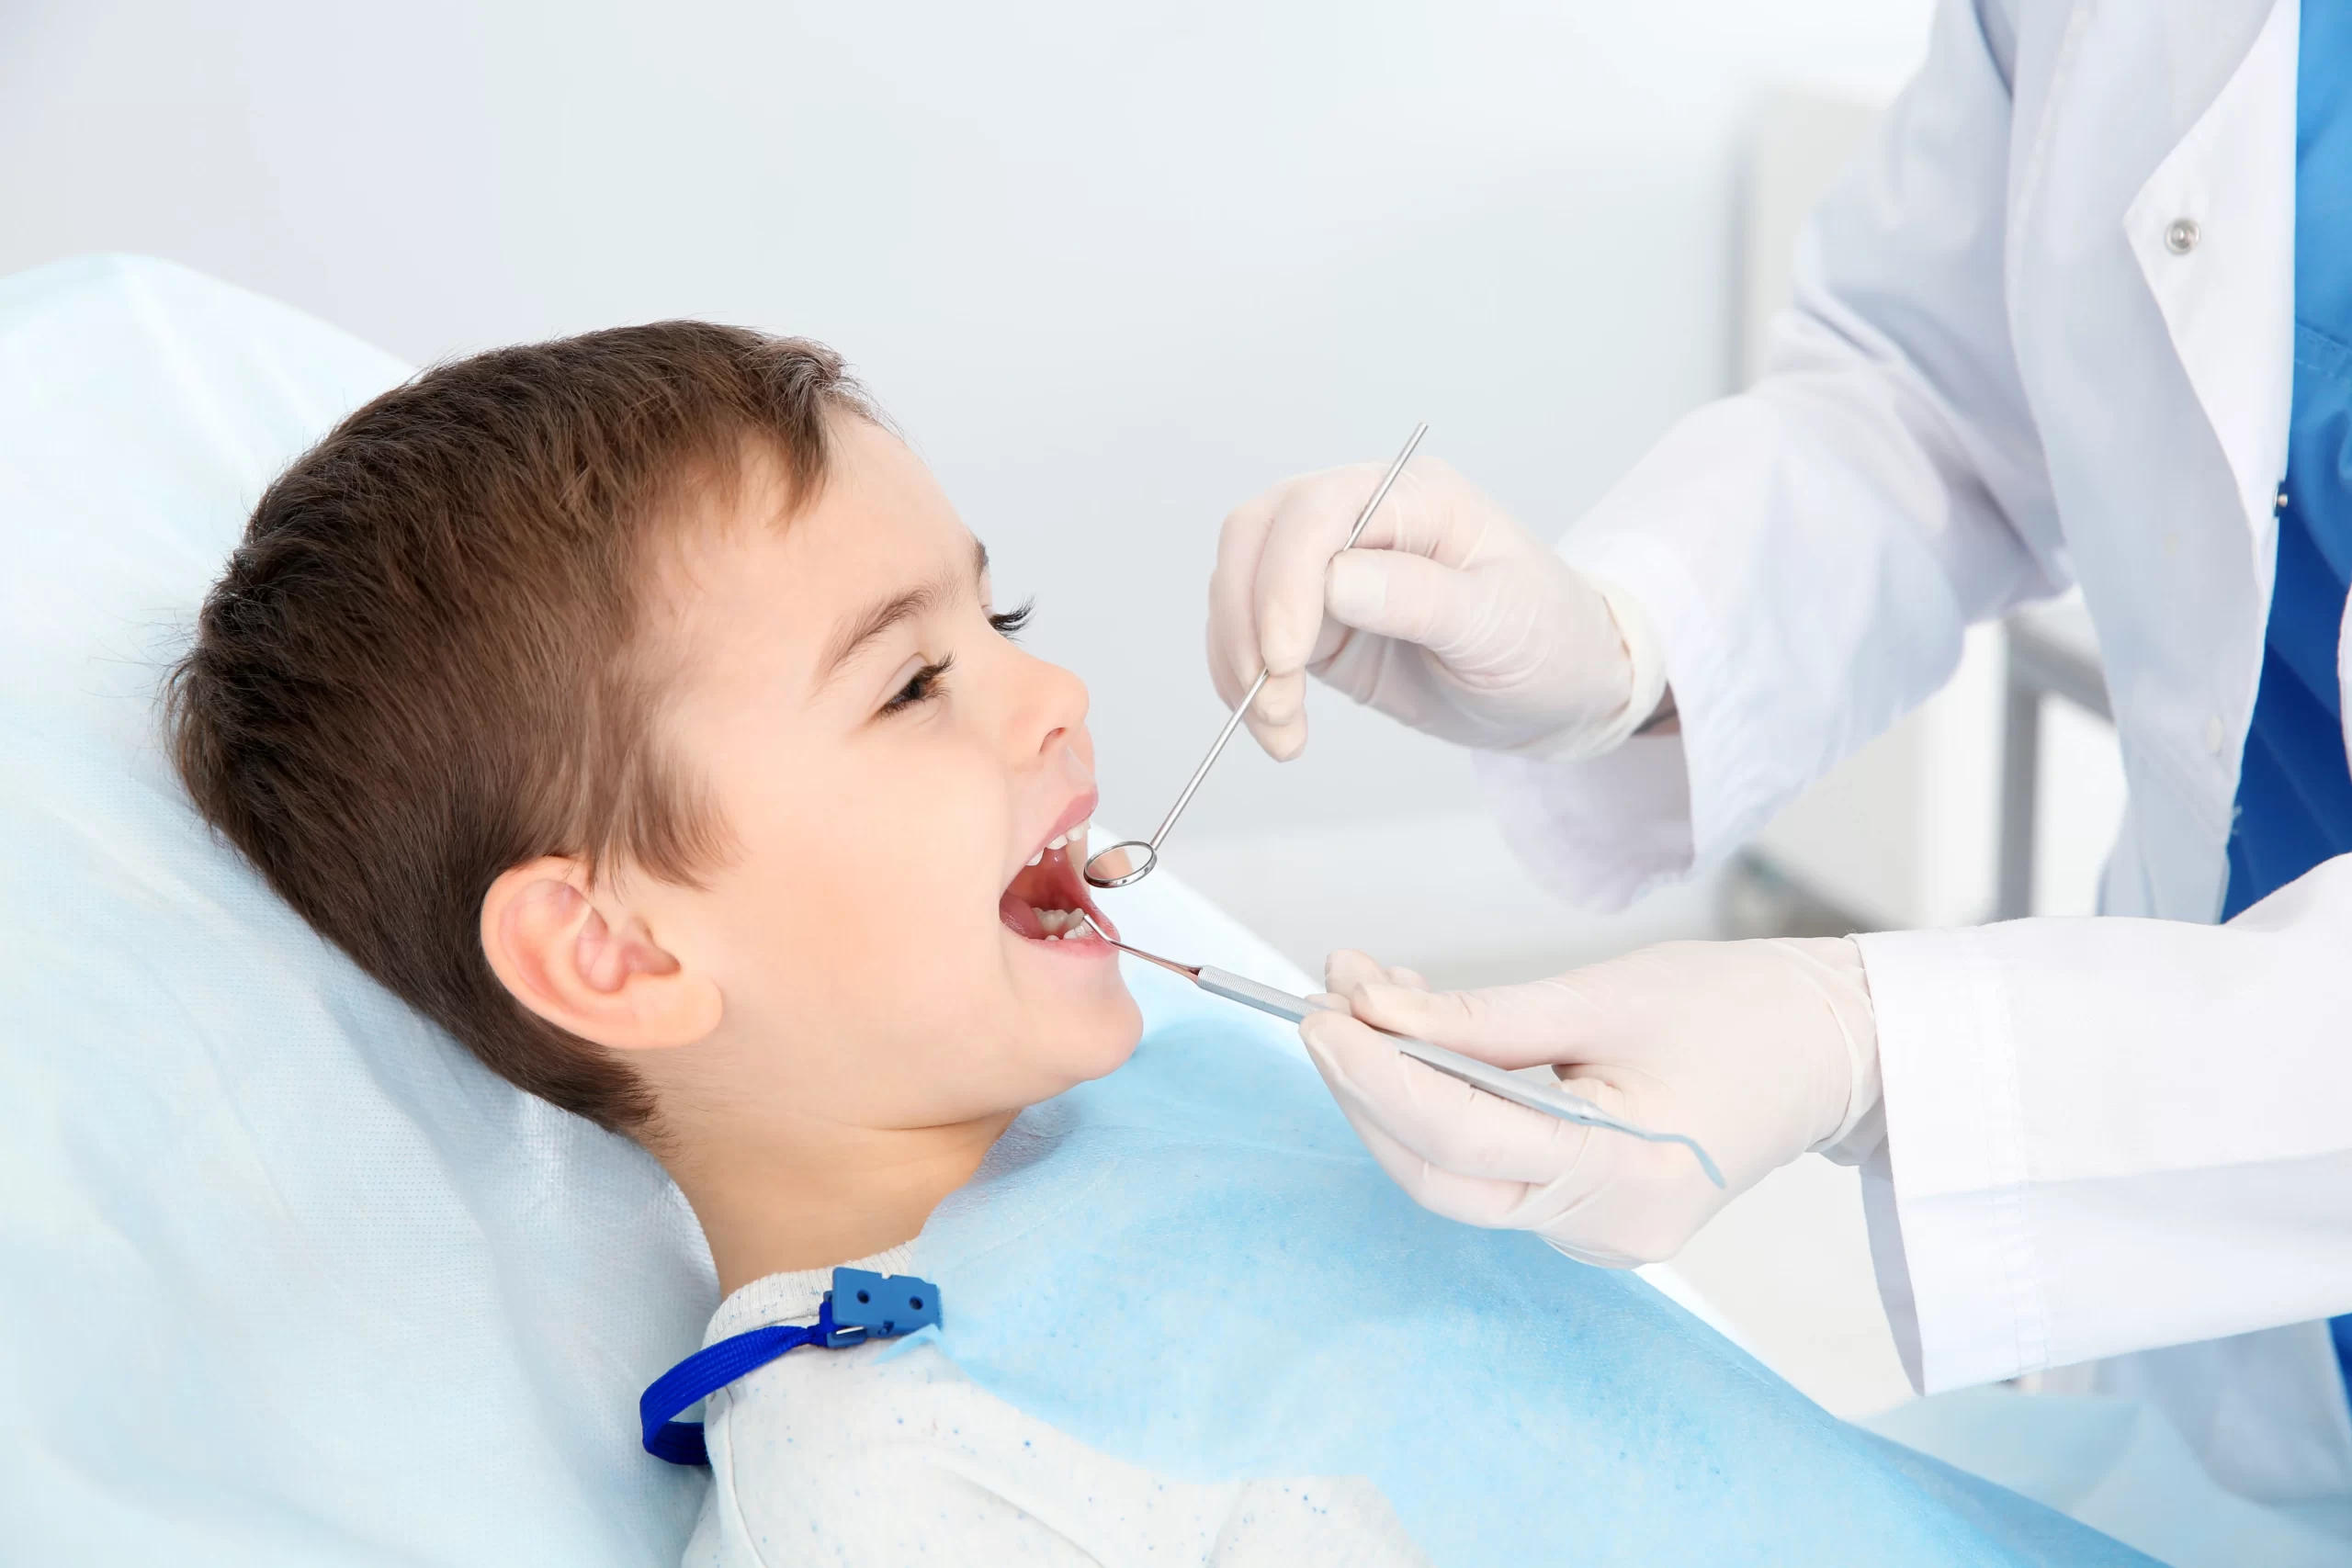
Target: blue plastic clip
[[883, 1305], [860, 1307]]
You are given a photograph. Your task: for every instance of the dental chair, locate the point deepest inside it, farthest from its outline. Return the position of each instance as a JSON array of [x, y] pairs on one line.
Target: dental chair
[[286, 1277]]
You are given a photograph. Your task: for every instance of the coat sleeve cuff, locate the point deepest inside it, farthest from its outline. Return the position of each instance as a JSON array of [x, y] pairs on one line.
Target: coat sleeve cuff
[[1957, 1250]]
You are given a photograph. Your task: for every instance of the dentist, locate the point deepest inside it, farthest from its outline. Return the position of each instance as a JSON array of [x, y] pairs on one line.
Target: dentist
[[2081, 314]]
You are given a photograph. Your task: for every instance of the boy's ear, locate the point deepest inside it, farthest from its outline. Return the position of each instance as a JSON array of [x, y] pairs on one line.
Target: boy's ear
[[586, 964]]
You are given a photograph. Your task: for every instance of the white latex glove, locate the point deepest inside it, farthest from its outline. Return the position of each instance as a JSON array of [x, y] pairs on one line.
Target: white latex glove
[[1447, 615], [1759, 1050]]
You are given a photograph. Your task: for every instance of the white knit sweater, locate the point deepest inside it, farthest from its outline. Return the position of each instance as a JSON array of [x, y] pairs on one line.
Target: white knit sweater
[[835, 1457]]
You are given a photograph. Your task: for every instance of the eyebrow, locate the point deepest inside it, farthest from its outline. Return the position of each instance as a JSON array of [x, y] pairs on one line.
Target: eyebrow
[[855, 632]]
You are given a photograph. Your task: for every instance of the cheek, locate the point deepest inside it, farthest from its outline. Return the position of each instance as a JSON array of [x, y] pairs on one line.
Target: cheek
[[862, 943], [865, 900]]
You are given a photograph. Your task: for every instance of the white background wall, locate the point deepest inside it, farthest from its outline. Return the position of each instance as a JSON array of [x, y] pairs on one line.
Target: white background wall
[[1114, 268]]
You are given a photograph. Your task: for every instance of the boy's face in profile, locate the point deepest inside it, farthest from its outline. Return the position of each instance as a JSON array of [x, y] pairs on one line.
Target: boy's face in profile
[[886, 763]]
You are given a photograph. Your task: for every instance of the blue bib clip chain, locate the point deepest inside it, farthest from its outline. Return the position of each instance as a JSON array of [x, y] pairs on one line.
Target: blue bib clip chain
[[859, 1308]]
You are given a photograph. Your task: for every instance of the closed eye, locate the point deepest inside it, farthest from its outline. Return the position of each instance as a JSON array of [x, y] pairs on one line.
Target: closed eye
[[921, 686]]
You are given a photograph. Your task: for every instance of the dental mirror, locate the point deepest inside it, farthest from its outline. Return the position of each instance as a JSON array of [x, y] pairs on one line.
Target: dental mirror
[[1132, 860]]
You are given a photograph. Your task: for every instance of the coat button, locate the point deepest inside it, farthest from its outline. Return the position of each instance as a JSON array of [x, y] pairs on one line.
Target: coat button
[[2180, 236], [2213, 734]]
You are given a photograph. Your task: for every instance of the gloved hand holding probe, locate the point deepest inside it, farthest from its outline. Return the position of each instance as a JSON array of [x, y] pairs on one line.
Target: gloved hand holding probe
[[1448, 616], [1760, 1050]]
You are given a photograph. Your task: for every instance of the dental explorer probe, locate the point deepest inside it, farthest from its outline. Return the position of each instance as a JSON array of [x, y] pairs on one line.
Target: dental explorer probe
[[1478, 1074], [1132, 860]]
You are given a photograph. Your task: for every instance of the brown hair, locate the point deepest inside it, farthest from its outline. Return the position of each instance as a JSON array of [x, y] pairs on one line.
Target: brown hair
[[415, 673]]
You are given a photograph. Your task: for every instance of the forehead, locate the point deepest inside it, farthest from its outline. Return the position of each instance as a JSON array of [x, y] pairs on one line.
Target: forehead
[[880, 510], [751, 587]]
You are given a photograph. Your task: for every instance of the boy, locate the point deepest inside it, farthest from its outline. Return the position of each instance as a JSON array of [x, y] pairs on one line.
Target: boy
[[635, 706]]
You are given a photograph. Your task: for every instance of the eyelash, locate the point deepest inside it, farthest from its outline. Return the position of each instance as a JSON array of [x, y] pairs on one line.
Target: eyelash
[[921, 687], [924, 684]]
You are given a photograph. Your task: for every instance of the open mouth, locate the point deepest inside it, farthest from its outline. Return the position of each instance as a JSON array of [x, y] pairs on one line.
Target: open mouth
[[1048, 900]]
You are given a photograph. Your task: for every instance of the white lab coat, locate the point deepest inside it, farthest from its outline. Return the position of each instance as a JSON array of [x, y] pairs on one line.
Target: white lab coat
[[2012, 366]]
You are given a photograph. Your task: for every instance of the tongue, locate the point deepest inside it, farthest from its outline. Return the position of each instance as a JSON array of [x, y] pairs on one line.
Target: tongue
[[1020, 915]]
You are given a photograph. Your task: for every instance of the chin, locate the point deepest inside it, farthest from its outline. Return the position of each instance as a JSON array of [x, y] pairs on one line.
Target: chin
[[1096, 1040]]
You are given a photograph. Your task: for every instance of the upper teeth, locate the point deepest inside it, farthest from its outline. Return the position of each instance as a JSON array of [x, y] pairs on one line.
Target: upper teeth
[[1062, 841]]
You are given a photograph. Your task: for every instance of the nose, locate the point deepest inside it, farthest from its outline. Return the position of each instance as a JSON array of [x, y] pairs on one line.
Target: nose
[[1050, 714]]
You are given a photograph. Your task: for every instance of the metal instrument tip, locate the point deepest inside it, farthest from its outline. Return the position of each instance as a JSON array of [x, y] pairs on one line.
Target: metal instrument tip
[[1190, 971]]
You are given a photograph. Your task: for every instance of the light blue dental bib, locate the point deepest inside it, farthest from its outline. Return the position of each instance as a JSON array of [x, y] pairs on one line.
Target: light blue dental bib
[[1193, 1264]]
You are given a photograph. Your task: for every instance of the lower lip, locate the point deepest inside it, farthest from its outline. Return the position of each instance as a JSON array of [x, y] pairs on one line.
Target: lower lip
[[1076, 947], [1082, 942], [1081, 935]]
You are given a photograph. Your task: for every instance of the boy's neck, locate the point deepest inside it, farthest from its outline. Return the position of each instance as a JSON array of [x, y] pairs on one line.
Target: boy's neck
[[773, 1201]]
